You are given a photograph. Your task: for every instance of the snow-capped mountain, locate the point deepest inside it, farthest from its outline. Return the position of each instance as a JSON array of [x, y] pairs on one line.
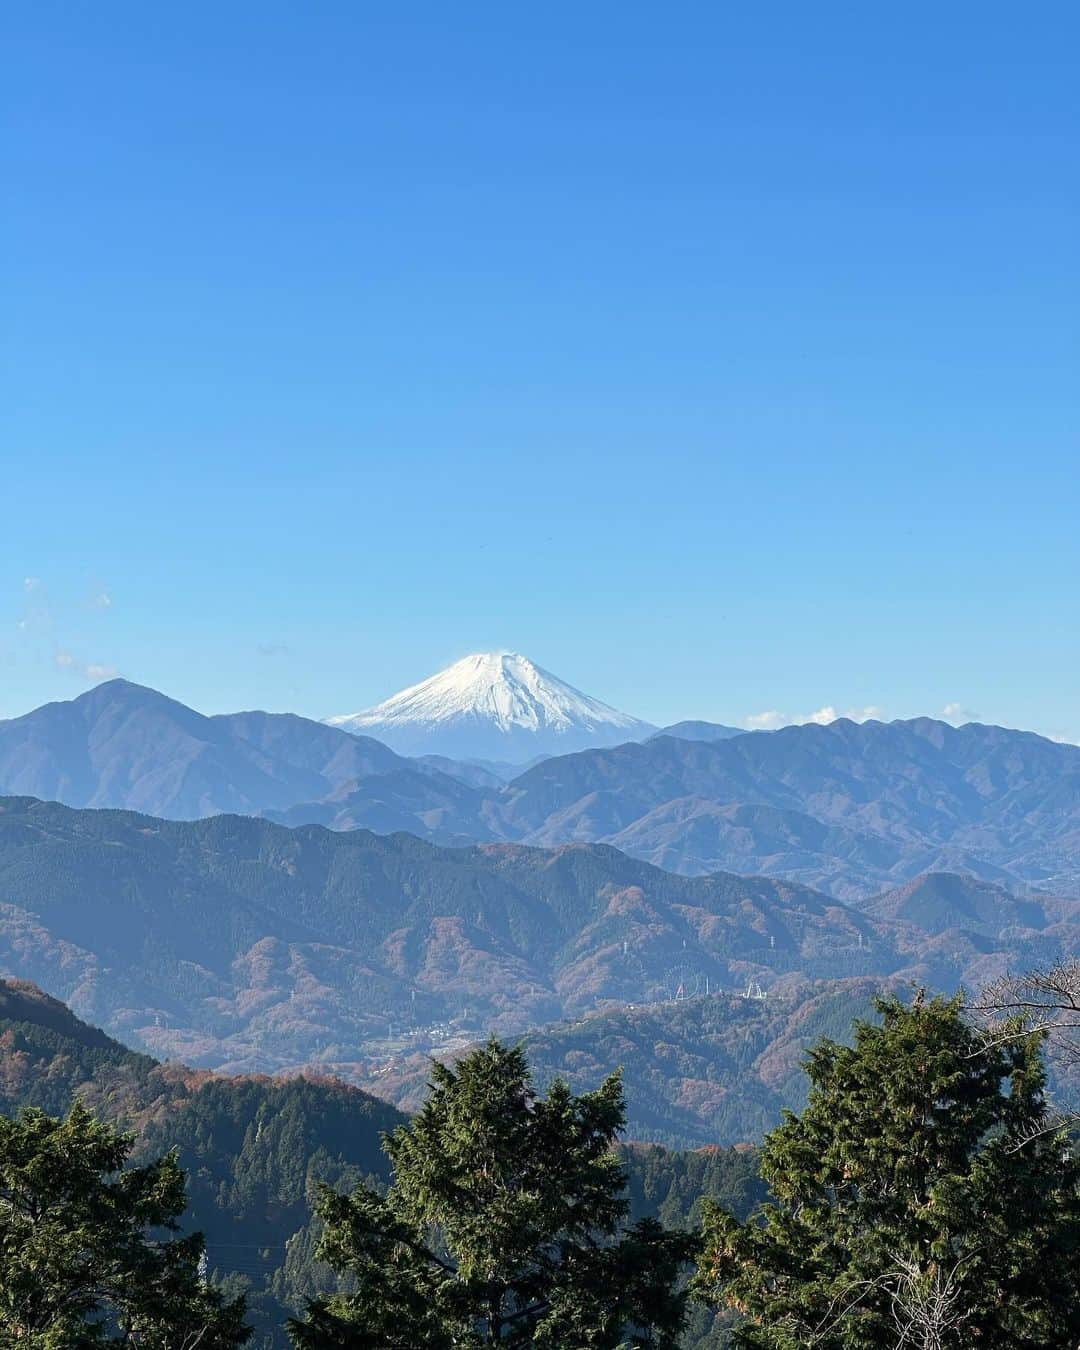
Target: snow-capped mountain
[[493, 706]]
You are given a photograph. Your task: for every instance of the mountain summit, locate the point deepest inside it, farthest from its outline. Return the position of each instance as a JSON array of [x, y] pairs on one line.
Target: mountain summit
[[495, 706]]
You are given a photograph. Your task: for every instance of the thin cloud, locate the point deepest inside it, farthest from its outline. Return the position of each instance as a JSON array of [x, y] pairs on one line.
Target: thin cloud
[[772, 719], [92, 671], [956, 712]]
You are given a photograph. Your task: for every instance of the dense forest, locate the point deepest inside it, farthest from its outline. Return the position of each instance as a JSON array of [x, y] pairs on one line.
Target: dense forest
[[925, 1194], [256, 1149]]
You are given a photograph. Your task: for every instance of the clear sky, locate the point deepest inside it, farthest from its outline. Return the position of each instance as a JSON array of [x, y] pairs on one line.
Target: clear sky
[[724, 359]]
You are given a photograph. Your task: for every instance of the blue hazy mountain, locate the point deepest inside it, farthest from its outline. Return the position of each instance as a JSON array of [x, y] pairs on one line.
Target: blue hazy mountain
[[850, 809]]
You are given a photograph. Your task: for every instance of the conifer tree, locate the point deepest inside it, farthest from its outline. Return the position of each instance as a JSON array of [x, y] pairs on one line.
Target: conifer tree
[[85, 1256], [923, 1198], [504, 1225]]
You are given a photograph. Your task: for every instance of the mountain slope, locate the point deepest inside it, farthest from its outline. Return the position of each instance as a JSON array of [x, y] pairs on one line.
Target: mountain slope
[[255, 1149], [122, 745], [701, 731], [902, 797], [938, 901], [252, 1149], [697, 1071], [236, 942], [494, 706]]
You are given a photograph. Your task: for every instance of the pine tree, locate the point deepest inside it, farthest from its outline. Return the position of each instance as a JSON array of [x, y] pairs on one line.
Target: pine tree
[[504, 1225], [923, 1198], [83, 1262]]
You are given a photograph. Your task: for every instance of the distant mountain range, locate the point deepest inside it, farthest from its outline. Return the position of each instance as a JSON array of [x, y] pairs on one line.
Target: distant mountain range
[[700, 731], [236, 943], [494, 706], [849, 809], [122, 745]]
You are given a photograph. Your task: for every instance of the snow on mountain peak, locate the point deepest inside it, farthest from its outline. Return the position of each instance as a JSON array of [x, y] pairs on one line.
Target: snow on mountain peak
[[493, 705]]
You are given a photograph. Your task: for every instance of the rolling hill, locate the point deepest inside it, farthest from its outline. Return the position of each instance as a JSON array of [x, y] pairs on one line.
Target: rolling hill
[[716, 1069], [233, 942], [253, 1148], [237, 942]]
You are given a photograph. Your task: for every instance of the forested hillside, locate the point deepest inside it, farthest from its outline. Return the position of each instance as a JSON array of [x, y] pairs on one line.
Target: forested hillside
[[233, 942], [255, 1149], [698, 1071]]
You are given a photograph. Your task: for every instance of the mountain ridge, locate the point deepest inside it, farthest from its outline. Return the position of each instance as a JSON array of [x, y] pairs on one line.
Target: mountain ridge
[[236, 942], [850, 809], [233, 942]]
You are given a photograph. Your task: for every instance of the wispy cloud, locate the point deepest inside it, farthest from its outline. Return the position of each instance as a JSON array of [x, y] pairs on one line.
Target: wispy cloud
[[93, 671], [769, 720], [957, 712], [772, 719], [45, 629]]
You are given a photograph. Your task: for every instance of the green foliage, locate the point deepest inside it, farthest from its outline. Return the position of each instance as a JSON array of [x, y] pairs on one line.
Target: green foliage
[[254, 1150], [505, 1224], [923, 1197], [673, 1187], [80, 1262]]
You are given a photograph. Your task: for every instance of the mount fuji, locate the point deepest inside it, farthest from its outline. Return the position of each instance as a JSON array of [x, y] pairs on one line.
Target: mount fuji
[[496, 706]]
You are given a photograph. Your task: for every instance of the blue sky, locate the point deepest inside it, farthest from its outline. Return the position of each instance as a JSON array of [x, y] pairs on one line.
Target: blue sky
[[723, 359]]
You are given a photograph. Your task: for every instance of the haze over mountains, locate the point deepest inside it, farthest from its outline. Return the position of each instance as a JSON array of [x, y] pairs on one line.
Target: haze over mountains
[[849, 809], [236, 943], [167, 873]]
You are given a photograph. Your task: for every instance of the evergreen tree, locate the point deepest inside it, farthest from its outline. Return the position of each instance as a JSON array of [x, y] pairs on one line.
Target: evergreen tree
[[504, 1225], [923, 1198], [81, 1264]]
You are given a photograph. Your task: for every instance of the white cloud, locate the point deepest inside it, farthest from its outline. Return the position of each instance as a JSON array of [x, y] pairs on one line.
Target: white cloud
[[956, 712], [103, 600], [94, 671], [31, 583], [772, 719], [766, 721]]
